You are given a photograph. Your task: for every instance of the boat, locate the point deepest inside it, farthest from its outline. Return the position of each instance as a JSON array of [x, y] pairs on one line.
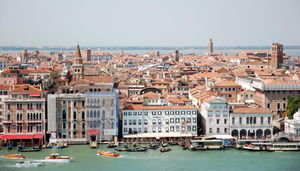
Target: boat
[[111, 146], [164, 145], [206, 145], [137, 149], [94, 144], [120, 149], [272, 147], [108, 153], [185, 147], [153, 146], [163, 150], [172, 143], [28, 164], [15, 156], [55, 157], [60, 146], [33, 149], [9, 147]]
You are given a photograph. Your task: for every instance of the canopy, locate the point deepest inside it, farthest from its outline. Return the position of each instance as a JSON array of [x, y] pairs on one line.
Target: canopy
[[22, 136], [93, 131]]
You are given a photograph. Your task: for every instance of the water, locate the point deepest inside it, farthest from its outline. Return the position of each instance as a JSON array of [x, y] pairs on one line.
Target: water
[[178, 159]]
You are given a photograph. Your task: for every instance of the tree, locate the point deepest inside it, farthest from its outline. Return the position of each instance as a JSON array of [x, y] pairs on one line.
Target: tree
[[293, 106]]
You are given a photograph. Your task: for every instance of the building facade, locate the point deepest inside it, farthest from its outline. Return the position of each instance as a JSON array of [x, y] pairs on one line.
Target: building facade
[[159, 119], [251, 122], [215, 117]]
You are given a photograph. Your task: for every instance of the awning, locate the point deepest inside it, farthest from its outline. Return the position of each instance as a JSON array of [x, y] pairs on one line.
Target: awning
[[35, 94], [38, 136], [18, 136], [1, 136], [22, 136], [93, 132]]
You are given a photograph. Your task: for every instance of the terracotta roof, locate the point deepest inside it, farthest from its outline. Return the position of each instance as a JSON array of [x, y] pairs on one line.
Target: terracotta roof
[[4, 87], [25, 88]]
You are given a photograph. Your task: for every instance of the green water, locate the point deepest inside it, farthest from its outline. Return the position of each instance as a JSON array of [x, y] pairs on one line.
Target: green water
[[177, 159]]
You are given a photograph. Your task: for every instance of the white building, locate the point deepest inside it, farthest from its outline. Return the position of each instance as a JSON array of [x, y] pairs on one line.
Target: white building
[[101, 115], [251, 122], [139, 119], [215, 117], [292, 126]]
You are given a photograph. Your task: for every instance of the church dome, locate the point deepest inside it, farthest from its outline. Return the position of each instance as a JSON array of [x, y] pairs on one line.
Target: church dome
[[297, 115]]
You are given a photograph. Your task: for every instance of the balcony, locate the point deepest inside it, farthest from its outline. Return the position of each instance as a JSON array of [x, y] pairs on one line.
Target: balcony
[[35, 121], [7, 121]]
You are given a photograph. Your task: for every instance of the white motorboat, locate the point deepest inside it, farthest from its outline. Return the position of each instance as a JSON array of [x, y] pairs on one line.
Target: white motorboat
[[55, 157]]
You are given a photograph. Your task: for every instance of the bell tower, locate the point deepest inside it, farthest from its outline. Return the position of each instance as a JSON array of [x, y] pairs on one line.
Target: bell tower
[[77, 67]]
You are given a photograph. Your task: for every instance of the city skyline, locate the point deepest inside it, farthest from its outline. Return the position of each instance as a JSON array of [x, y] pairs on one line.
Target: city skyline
[[135, 23]]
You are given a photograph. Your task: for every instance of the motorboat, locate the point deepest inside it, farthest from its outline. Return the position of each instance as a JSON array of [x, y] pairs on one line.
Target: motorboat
[[137, 149], [111, 146], [164, 145], [28, 164], [55, 157], [33, 149], [163, 150], [154, 146], [15, 156], [108, 153]]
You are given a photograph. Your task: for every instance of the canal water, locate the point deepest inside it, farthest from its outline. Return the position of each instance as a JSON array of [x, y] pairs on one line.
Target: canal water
[[85, 159]]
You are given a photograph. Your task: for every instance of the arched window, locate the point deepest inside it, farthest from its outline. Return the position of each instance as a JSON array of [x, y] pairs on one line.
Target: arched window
[[40, 115], [64, 114], [95, 113], [103, 115], [82, 115], [74, 115], [83, 126], [74, 125], [98, 114]]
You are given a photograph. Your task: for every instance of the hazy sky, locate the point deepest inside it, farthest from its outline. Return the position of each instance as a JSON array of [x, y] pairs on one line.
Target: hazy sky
[[149, 22]]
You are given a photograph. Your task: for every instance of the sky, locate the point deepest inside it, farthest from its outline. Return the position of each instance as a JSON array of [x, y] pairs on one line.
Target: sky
[[149, 22]]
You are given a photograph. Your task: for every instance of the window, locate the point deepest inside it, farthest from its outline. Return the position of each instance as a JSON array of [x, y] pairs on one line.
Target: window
[[269, 120], [240, 120], [172, 112], [194, 112], [210, 130], [64, 115], [167, 121], [159, 113], [233, 120], [218, 130], [254, 120], [167, 129], [125, 113], [153, 113], [145, 113], [130, 122], [125, 129], [153, 129], [172, 120], [194, 120], [82, 115], [225, 130], [139, 113], [172, 128], [251, 120], [278, 106], [182, 112], [189, 128], [247, 120], [194, 128], [159, 129], [218, 121], [159, 121], [134, 113], [145, 130], [177, 120], [188, 112], [166, 112], [140, 122], [177, 112], [74, 115], [177, 128], [134, 122], [145, 121], [125, 122], [153, 121], [261, 120], [225, 121]]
